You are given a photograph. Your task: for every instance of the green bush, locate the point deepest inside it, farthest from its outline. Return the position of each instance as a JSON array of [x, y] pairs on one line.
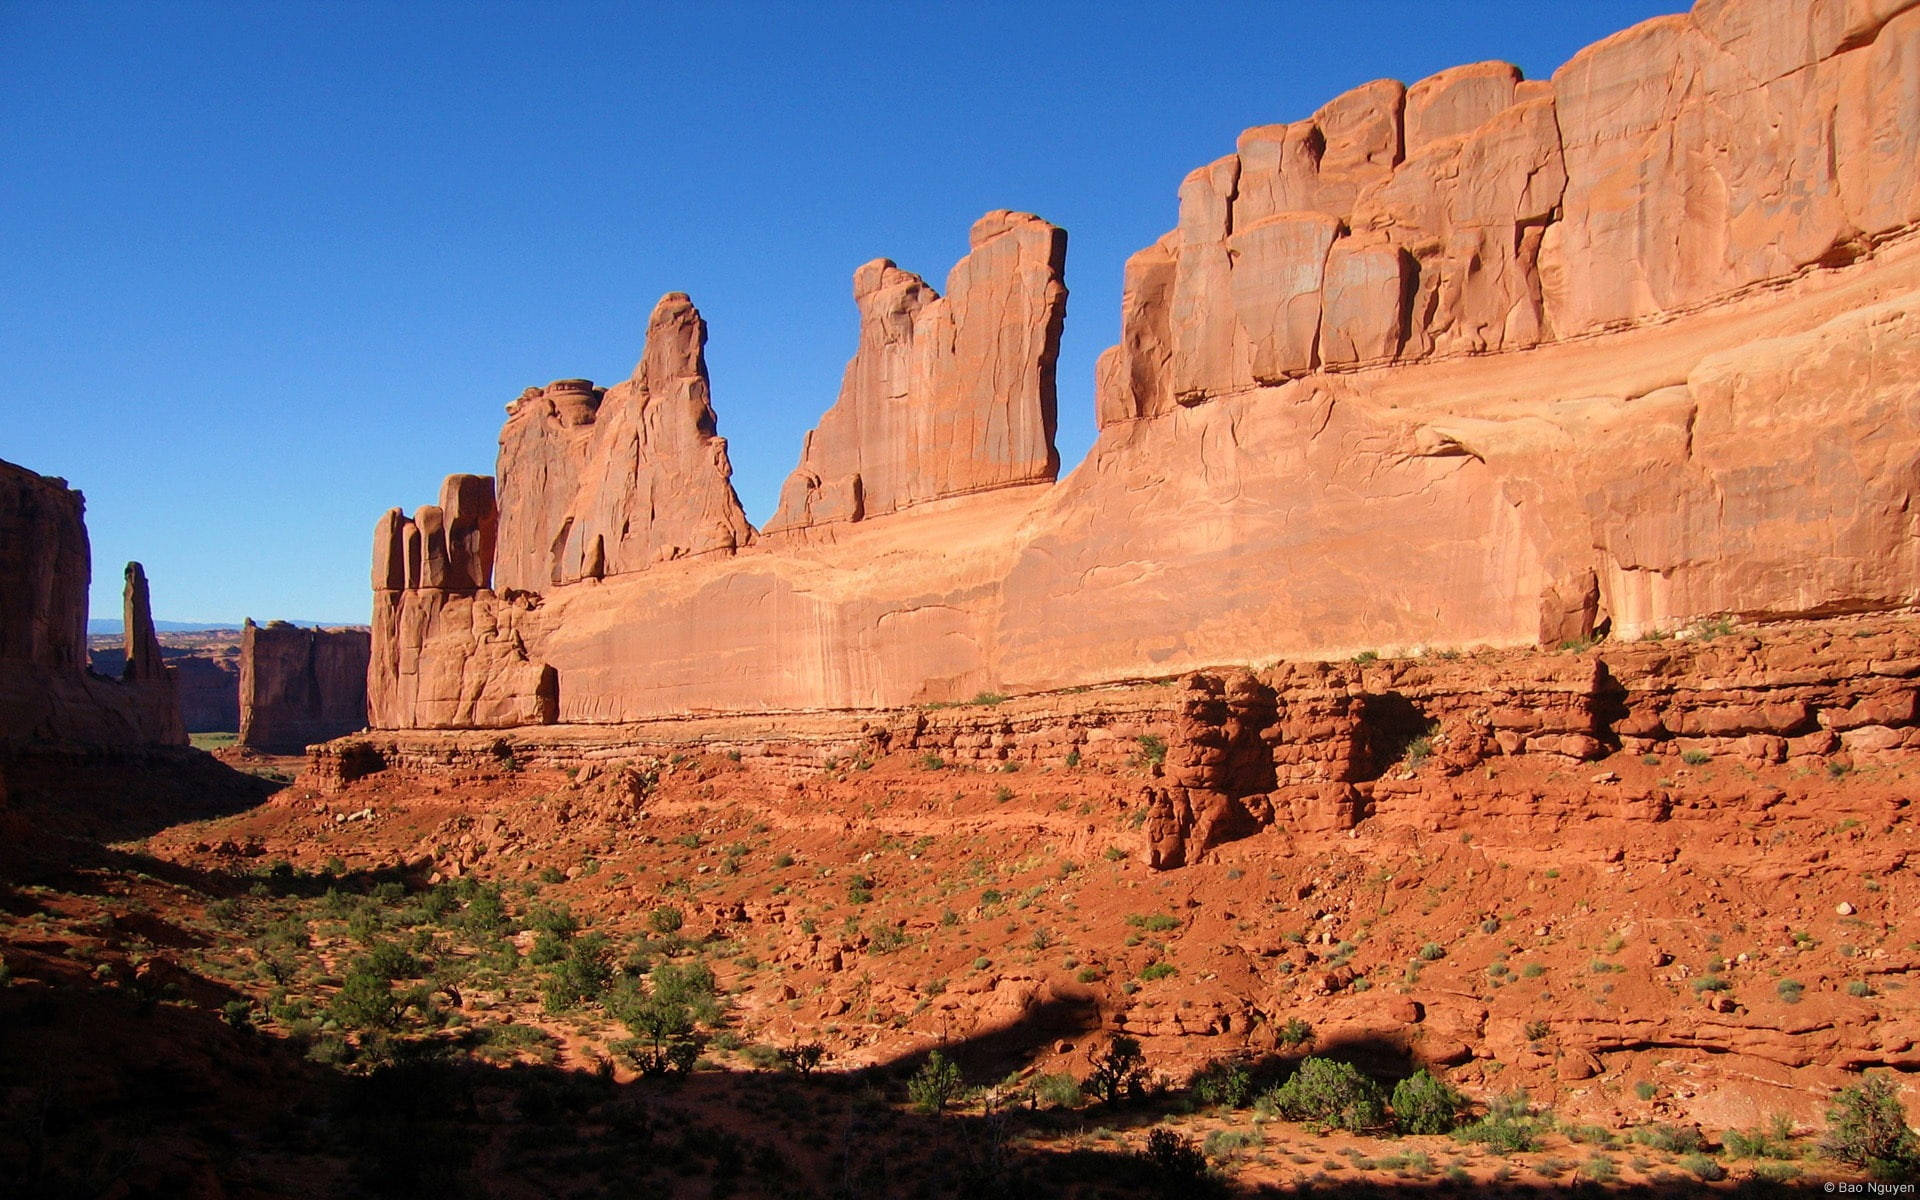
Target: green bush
[[1707, 1170], [1867, 1126], [1423, 1104], [1153, 750], [1061, 1091], [365, 1001], [581, 975], [1222, 1082], [1673, 1139], [666, 919], [1509, 1126], [935, 1085], [1329, 1092], [1296, 1033]]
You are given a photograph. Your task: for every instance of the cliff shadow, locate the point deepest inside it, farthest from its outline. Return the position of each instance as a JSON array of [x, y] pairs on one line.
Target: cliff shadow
[[61, 809]]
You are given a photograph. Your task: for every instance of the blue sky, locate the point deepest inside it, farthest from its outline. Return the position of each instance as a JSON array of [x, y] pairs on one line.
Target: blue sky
[[269, 269]]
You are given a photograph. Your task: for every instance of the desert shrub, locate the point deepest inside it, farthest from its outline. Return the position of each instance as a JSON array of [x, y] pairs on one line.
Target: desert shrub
[[580, 975], [1673, 1139], [1296, 1033], [1702, 1167], [1153, 749], [1867, 1126], [1221, 1143], [1159, 970], [1061, 1091], [1329, 1092], [1508, 1127], [935, 1085], [1120, 1071], [666, 919], [365, 1001], [1158, 922], [1177, 1166], [1222, 1082], [555, 919], [1423, 1104], [1432, 952], [1790, 990]]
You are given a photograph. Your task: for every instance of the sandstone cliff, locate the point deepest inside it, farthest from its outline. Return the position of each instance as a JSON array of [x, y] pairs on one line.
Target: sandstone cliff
[[595, 484], [300, 686], [945, 396], [1479, 360], [48, 698]]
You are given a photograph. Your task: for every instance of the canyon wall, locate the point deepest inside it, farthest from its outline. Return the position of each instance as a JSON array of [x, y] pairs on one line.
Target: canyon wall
[[1482, 360], [48, 697], [300, 686]]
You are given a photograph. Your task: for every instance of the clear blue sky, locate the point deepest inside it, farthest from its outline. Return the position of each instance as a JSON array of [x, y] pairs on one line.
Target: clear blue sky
[[268, 269]]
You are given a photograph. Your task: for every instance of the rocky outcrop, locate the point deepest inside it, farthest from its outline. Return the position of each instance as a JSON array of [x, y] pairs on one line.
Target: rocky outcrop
[[301, 686], [1482, 361], [946, 395], [1666, 167], [598, 483], [48, 698]]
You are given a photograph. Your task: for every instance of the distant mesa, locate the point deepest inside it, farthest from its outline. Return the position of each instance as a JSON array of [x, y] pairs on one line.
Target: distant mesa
[[300, 686], [1482, 360]]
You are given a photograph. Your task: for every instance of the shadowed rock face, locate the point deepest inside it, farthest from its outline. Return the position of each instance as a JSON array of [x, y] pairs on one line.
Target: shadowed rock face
[[47, 696], [300, 686], [945, 396], [1480, 360]]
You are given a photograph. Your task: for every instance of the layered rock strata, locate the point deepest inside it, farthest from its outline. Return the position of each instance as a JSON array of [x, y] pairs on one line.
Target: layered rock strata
[[48, 697], [1479, 361], [301, 686]]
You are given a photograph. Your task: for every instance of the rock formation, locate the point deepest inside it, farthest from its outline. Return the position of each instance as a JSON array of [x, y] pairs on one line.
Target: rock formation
[[601, 483], [945, 396], [1483, 360], [48, 698], [301, 686]]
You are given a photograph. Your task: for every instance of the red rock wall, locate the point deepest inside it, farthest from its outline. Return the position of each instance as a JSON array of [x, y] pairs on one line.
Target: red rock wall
[[301, 686], [48, 698], [595, 484], [1663, 168], [1483, 361], [945, 396]]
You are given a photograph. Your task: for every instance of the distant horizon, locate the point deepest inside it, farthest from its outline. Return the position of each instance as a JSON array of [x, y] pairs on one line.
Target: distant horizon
[[256, 306], [101, 626]]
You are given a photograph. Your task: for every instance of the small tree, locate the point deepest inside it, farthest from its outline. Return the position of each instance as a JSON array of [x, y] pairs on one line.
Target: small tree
[[1867, 1126], [664, 1025], [1120, 1071], [936, 1085], [803, 1057]]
